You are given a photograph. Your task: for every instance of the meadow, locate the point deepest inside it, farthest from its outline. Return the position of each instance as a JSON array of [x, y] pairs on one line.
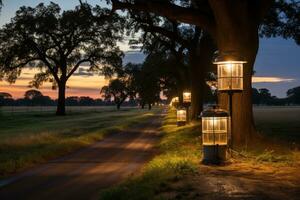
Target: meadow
[[29, 137]]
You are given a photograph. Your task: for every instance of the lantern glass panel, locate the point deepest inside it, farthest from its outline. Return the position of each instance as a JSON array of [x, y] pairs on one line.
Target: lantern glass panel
[[214, 130], [181, 115], [230, 75], [187, 97]]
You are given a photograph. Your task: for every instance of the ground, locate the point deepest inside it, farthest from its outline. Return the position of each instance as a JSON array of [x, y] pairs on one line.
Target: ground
[[30, 136], [267, 171], [82, 175], [177, 173]]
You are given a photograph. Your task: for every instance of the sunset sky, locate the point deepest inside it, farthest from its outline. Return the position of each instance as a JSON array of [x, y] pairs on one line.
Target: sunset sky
[[277, 65]]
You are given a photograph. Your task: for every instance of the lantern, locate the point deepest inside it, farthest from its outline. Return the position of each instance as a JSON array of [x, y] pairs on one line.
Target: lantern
[[215, 129], [181, 116], [187, 97], [230, 72], [175, 101]]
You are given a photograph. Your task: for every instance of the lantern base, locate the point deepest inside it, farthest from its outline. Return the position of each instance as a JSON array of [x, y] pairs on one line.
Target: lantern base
[[181, 123], [214, 154]]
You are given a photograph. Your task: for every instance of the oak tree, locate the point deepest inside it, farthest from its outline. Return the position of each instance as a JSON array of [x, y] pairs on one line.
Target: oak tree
[[58, 42]]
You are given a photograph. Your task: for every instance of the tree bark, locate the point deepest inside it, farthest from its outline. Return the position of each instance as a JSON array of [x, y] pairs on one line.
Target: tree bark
[[238, 32], [61, 102], [149, 106], [118, 106], [201, 58]]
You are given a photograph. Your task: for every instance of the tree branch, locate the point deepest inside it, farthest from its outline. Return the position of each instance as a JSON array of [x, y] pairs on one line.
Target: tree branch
[[77, 66], [172, 11]]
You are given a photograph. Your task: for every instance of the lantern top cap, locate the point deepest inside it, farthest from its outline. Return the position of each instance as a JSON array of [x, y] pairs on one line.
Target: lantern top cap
[[228, 57], [214, 112]]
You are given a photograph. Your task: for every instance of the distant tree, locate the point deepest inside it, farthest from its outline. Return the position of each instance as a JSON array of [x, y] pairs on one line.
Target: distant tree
[[293, 95], [117, 90], [255, 96], [86, 101], [57, 43], [31, 94], [265, 96], [5, 98], [72, 101], [5, 95]]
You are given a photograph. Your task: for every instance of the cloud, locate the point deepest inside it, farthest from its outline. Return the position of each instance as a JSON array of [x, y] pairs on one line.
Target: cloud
[[265, 79]]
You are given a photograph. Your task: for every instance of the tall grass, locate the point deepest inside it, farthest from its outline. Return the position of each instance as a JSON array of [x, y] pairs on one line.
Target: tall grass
[[179, 155], [26, 140]]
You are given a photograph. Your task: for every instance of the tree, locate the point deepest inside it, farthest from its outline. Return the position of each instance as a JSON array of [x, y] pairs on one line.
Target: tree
[[57, 43], [255, 96], [188, 44], [31, 94], [145, 81], [293, 95], [234, 26], [117, 90]]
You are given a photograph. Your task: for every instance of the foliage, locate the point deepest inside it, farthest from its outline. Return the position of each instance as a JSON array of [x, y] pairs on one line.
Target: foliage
[[57, 43], [294, 95], [118, 90], [282, 20]]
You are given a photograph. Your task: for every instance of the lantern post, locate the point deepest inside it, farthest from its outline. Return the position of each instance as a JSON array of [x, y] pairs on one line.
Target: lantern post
[[230, 78], [187, 99], [215, 128], [181, 116]]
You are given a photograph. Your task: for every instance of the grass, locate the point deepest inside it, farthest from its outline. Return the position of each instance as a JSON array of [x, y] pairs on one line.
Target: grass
[[30, 138], [169, 174], [281, 123], [179, 155]]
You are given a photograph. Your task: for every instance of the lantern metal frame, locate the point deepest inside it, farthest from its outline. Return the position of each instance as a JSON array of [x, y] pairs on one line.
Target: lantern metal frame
[[186, 102], [179, 120], [230, 57], [214, 149]]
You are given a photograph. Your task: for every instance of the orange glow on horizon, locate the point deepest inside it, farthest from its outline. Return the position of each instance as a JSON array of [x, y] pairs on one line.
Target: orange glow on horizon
[[76, 86]]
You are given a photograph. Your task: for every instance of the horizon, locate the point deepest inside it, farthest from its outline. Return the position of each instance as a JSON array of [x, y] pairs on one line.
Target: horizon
[[277, 62]]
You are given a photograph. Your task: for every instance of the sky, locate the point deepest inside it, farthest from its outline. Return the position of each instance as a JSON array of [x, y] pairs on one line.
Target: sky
[[277, 65]]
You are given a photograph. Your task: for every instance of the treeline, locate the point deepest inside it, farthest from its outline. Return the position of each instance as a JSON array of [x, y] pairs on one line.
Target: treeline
[[264, 97], [36, 98]]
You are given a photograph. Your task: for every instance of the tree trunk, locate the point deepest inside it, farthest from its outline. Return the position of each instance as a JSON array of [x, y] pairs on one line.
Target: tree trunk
[[200, 58], [143, 105], [118, 106], [61, 102], [238, 32], [149, 106]]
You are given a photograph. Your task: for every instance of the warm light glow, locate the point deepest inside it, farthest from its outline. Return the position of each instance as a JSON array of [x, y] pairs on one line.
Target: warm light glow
[[214, 130], [230, 75], [187, 97], [77, 85], [181, 115]]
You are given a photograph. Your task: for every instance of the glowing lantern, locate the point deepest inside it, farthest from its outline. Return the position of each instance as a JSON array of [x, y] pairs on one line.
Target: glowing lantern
[[181, 116], [215, 129], [187, 97], [230, 72]]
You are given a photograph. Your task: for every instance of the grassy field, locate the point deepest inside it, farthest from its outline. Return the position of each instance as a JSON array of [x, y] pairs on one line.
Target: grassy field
[[28, 138], [281, 123], [169, 174]]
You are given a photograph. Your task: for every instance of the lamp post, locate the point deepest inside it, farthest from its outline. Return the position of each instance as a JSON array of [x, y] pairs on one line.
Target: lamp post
[[230, 77], [181, 116], [215, 128], [187, 99], [175, 102]]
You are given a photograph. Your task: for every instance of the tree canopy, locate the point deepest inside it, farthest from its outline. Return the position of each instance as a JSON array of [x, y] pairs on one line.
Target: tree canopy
[[58, 43]]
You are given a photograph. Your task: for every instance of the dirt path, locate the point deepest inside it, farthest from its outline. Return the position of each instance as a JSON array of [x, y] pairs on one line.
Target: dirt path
[[240, 180], [83, 174]]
